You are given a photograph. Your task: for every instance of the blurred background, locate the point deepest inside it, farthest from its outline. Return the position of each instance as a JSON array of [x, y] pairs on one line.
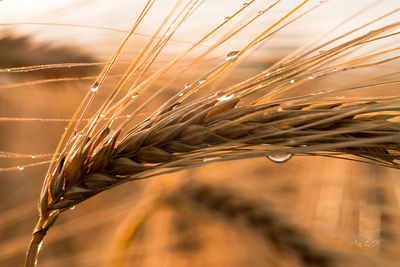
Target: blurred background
[[348, 208]]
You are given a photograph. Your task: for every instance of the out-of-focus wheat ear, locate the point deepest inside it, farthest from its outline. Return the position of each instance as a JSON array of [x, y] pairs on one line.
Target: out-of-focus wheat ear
[[271, 227], [127, 231]]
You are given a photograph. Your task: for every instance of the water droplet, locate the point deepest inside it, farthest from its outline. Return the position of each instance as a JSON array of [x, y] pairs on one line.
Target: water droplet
[[280, 157], [231, 56], [266, 75], [129, 115], [20, 168], [33, 156], [291, 81], [102, 115], [187, 85], [72, 208], [134, 96], [181, 94], [202, 80], [225, 98], [8, 70], [94, 87], [310, 77]]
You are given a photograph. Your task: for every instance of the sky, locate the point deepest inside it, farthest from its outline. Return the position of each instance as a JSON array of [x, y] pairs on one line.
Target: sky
[[121, 14]]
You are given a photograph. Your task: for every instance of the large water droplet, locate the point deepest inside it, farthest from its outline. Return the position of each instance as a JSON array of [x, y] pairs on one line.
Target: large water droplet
[[202, 80], [231, 56], [280, 157]]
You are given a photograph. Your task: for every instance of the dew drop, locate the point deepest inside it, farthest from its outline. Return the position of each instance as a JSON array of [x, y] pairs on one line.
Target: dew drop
[[280, 157], [187, 85], [291, 81], [8, 70], [72, 208], [202, 80], [310, 77], [181, 94], [129, 115], [33, 156], [266, 75], [20, 168], [225, 98], [231, 56], [94, 87], [102, 115]]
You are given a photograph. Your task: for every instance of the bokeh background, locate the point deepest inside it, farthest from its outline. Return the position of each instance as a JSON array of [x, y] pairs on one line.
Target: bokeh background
[[347, 207]]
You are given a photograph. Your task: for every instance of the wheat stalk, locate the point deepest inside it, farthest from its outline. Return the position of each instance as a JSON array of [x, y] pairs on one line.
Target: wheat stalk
[[221, 126]]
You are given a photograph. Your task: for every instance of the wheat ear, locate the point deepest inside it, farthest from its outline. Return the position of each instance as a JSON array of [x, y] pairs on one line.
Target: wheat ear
[[173, 140], [218, 127], [269, 226], [225, 204]]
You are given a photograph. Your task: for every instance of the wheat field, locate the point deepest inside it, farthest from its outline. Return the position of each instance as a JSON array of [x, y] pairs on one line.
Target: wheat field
[[204, 133]]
